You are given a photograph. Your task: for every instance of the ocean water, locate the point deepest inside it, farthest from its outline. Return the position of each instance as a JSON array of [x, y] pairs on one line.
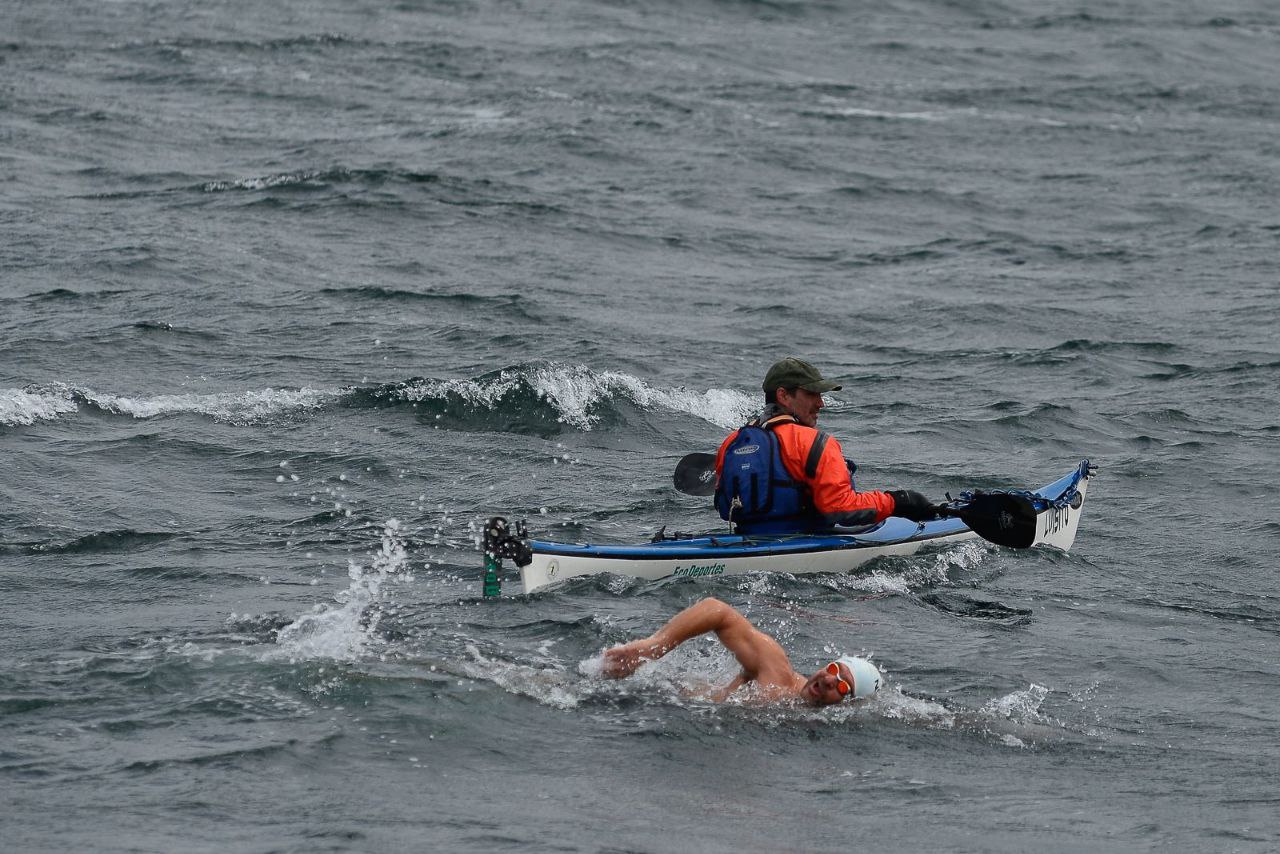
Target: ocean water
[[293, 296]]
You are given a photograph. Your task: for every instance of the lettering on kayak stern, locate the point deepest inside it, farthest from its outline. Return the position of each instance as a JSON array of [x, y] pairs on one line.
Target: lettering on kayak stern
[[1056, 519]]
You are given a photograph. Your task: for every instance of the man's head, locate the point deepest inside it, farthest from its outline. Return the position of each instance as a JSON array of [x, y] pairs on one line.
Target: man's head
[[796, 387], [846, 677]]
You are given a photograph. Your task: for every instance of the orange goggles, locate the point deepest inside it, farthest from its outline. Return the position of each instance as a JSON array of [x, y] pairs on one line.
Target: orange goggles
[[842, 686]]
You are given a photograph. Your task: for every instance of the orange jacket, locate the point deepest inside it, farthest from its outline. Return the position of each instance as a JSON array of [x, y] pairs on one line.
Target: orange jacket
[[833, 495]]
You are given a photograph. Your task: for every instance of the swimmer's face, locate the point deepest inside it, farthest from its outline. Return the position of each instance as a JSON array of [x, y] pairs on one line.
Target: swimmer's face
[[823, 687]]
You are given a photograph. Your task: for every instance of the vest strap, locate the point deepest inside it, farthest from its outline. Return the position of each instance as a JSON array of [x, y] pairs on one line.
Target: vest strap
[[815, 454]]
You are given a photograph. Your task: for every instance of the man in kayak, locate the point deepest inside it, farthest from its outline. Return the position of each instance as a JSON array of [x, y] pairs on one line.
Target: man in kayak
[[766, 669], [784, 476]]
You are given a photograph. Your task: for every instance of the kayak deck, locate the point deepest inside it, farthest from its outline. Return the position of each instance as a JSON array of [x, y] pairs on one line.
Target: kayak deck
[[836, 551], [890, 530]]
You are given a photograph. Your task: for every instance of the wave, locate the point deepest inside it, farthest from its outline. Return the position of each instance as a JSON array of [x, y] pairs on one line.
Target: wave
[[239, 408], [316, 179], [547, 397], [22, 407], [538, 398], [509, 302], [181, 44], [377, 186], [67, 295], [161, 327], [310, 179], [989, 611], [125, 540], [1087, 345]]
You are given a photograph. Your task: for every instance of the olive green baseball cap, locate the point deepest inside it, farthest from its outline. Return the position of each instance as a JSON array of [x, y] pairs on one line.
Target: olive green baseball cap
[[797, 373]]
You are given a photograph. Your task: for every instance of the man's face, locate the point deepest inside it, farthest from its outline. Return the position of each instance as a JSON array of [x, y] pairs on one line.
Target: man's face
[[823, 687], [804, 405]]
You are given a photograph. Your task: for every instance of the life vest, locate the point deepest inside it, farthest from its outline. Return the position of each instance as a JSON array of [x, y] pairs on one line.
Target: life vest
[[756, 492]]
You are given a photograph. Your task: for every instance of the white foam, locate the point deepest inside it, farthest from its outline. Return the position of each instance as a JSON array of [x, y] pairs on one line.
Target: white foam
[[574, 389], [551, 687], [864, 113], [265, 182], [723, 407], [877, 583], [232, 407], [961, 114], [19, 407], [899, 706]]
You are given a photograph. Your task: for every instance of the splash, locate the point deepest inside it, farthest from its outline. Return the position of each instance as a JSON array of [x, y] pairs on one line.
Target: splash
[[965, 556], [896, 705], [593, 667], [1022, 706], [346, 631], [21, 407]]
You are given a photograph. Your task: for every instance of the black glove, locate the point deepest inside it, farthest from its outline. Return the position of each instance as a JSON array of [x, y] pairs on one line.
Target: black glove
[[910, 504]]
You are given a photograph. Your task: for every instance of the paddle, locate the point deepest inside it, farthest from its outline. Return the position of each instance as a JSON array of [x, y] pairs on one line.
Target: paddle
[[998, 517], [696, 474]]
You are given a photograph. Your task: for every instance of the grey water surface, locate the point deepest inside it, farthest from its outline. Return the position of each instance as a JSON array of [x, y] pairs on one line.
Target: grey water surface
[[294, 295]]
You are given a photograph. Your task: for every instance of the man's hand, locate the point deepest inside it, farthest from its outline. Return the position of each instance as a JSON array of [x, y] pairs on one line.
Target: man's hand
[[912, 505], [622, 661]]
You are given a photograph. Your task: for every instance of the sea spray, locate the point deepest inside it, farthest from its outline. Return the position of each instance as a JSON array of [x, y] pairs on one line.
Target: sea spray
[[1021, 706], [346, 630]]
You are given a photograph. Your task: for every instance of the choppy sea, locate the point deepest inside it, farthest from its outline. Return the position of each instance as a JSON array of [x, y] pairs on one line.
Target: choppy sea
[[294, 295]]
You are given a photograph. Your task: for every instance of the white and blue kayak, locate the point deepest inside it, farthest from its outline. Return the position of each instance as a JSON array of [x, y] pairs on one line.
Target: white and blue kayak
[[1048, 516]]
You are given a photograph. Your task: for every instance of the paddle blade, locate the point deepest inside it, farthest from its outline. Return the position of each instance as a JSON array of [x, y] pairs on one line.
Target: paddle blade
[[1006, 520], [696, 474]]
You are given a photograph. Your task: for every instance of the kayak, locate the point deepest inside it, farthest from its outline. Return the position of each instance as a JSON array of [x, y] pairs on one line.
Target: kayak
[[1056, 507]]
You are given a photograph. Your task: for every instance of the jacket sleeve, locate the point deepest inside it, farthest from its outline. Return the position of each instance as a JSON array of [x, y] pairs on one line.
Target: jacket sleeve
[[833, 496]]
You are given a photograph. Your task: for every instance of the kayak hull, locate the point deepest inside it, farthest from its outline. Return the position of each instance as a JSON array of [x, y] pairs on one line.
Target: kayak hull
[[732, 554]]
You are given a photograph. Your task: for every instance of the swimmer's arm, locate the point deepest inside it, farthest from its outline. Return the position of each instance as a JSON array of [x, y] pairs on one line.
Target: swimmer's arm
[[722, 694], [709, 615]]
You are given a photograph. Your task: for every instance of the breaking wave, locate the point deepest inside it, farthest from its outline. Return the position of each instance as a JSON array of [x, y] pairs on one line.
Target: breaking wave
[[548, 397], [20, 407], [46, 403], [538, 399]]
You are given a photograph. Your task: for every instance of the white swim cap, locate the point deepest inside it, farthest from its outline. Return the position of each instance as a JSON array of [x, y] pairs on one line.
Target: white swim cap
[[866, 679]]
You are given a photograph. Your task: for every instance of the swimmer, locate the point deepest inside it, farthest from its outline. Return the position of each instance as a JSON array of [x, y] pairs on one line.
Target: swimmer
[[765, 665]]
